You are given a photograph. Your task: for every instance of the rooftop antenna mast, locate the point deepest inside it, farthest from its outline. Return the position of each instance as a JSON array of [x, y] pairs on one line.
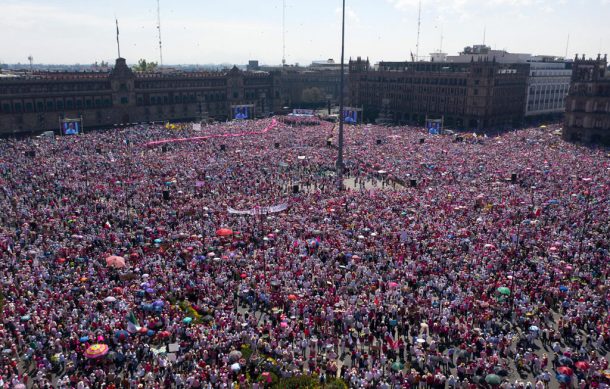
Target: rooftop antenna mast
[[567, 46], [159, 29], [440, 50], [418, 31], [284, 33], [484, 34], [31, 59]]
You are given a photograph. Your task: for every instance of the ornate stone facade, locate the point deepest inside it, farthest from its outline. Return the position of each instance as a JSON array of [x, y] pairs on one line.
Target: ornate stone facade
[[587, 116], [37, 102], [482, 94]]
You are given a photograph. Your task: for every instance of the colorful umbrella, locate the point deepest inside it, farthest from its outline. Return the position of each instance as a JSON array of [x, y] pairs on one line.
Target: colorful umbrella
[[121, 334], [565, 370], [96, 351], [563, 378], [493, 379], [115, 261], [397, 366], [582, 365], [292, 297], [224, 232], [187, 320], [565, 361], [504, 290]]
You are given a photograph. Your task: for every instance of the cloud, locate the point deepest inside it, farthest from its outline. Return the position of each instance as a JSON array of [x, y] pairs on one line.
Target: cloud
[[80, 36], [350, 15], [472, 8]]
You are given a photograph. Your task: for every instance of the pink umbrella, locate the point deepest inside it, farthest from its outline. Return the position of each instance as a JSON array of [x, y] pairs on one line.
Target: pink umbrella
[[115, 261]]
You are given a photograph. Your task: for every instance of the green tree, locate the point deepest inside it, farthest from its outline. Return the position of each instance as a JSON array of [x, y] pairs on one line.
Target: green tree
[[312, 95], [144, 66]]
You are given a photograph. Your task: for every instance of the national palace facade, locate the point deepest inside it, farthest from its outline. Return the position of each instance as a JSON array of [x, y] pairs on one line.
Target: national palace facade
[[37, 102]]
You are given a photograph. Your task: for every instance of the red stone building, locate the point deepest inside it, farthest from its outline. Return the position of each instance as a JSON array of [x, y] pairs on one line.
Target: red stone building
[[37, 102], [587, 116], [481, 94]]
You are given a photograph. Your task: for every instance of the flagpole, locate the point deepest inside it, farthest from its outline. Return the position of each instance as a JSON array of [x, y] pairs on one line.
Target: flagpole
[[341, 86], [118, 44]]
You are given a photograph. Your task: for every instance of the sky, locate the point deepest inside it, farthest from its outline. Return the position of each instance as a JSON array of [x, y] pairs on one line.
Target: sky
[[235, 31]]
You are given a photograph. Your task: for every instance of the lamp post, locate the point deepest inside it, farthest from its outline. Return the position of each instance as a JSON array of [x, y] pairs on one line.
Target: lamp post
[[341, 90]]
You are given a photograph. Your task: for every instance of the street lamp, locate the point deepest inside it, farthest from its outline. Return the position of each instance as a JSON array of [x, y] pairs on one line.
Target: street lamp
[[341, 89]]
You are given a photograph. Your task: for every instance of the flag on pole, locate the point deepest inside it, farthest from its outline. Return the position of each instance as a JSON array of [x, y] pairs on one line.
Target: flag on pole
[[132, 323]]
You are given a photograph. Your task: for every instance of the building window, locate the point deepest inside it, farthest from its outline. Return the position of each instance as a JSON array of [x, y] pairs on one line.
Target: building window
[[124, 100], [6, 107]]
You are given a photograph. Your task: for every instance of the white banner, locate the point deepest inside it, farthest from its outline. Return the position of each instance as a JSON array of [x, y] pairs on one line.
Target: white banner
[[259, 210]]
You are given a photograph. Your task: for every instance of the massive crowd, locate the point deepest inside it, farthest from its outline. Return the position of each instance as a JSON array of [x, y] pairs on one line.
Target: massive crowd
[[476, 262]]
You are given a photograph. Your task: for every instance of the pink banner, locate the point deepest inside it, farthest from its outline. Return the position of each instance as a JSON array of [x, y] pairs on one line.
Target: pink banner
[[198, 138]]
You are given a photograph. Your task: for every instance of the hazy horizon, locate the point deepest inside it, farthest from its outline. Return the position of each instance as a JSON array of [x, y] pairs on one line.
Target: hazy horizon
[[204, 32]]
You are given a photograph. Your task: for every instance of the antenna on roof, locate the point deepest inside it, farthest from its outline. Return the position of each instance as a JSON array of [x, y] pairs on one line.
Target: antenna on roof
[[159, 29], [284, 33], [31, 59], [567, 46], [418, 31], [440, 50], [484, 34]]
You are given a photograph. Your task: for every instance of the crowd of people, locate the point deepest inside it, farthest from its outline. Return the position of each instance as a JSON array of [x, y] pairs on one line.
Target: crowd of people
[[240, 260]]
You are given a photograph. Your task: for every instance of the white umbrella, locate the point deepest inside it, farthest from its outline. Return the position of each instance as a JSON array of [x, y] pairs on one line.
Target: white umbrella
[[110, 299], [235, 367]]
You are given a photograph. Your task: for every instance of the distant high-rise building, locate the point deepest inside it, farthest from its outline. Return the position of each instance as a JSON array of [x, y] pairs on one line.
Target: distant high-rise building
[[587, 116], [253, 65], [547, 87]]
